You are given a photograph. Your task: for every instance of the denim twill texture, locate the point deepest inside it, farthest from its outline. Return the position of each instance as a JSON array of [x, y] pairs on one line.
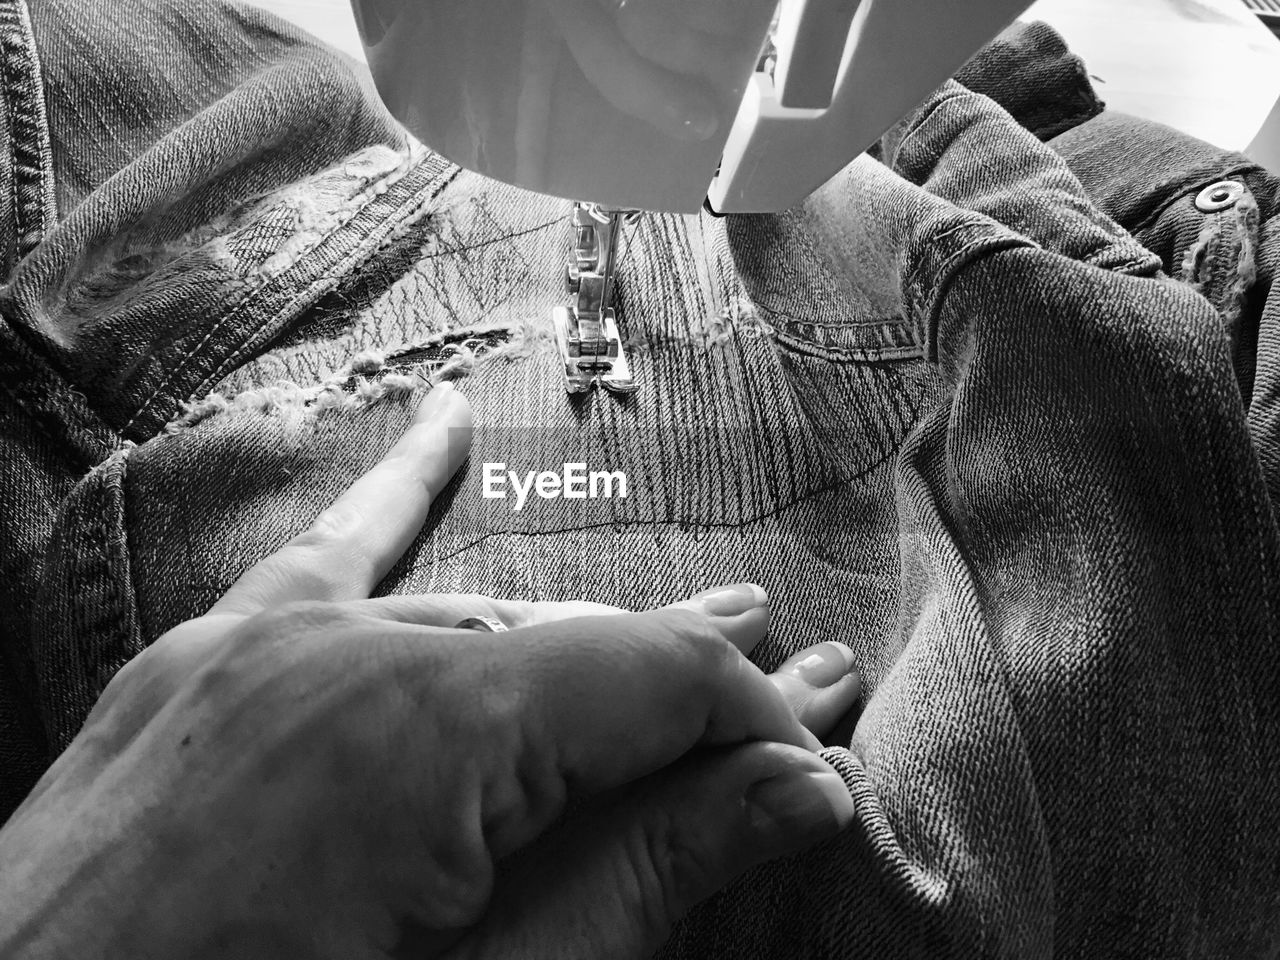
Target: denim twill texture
[[999, 411]]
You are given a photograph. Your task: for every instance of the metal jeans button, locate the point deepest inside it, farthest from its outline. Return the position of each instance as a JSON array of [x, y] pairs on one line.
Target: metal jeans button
[[1219, 196]]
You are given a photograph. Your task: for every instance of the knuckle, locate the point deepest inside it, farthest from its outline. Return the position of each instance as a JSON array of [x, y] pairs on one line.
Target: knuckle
[[690, 626], [320, 568], [337, 533], [337, 521], [405, 473], [515, 613]]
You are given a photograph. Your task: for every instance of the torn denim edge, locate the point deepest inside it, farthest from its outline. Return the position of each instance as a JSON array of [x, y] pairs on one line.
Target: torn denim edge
[[385, 168], [715, 329], [320, 204], [144, 257], [365, 381], [1237, 227]]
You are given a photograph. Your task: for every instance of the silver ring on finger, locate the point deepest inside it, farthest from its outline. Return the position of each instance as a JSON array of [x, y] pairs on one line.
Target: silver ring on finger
[[483, 624]]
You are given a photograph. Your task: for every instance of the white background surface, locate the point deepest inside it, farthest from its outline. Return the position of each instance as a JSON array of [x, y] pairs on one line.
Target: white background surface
[[1207, 67]]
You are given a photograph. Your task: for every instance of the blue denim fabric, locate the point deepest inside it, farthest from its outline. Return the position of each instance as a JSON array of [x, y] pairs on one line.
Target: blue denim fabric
[[998, 411]]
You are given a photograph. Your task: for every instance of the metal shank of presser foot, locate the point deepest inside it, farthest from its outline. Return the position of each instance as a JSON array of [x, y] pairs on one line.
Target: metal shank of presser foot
[[586, 330]]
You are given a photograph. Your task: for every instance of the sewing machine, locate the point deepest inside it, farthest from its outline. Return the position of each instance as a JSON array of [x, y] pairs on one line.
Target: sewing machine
[[659, 105]]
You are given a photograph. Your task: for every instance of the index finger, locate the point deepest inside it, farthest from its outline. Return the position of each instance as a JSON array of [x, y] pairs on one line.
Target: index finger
[[354, 542]]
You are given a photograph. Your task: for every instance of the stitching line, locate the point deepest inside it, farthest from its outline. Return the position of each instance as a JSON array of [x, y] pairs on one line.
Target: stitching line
[[252, 297], [30, 149], [403, 215], [887, 353], [853, 480]]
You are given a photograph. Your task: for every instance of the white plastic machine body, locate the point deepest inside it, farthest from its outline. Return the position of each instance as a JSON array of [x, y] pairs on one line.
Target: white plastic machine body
[[659, 105], [568, 97], [846, 72]]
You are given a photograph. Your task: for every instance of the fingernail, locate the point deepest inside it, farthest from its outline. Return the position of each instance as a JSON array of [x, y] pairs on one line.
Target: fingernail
[[820, 666], [434, 399], [732, 600], [793, 810], [445, 405]]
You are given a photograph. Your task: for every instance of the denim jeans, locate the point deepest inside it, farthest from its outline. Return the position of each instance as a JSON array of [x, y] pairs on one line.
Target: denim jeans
[[998, 409]]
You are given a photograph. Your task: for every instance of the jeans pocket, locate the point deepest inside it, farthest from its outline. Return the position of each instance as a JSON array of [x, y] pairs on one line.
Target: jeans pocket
[[801, 271], [852, 354]]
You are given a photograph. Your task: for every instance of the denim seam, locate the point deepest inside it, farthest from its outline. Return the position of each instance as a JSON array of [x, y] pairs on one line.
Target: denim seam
[[55, 406], [405, 215], [925, 307], [1216, 263], [878, 334], [921, 120], [1184, 187], [922, 284], [30, 155], [887, 321], [774, 511], [250, 300], [1140, 264], [806, 347], [98, 645], [301, 261], [130, 618]]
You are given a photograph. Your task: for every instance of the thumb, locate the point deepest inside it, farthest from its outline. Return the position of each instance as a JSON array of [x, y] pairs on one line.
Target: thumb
[[613, 880]]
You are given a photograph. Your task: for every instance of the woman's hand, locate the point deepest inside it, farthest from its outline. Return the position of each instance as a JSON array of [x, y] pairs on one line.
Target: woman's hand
[[308, 772]]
